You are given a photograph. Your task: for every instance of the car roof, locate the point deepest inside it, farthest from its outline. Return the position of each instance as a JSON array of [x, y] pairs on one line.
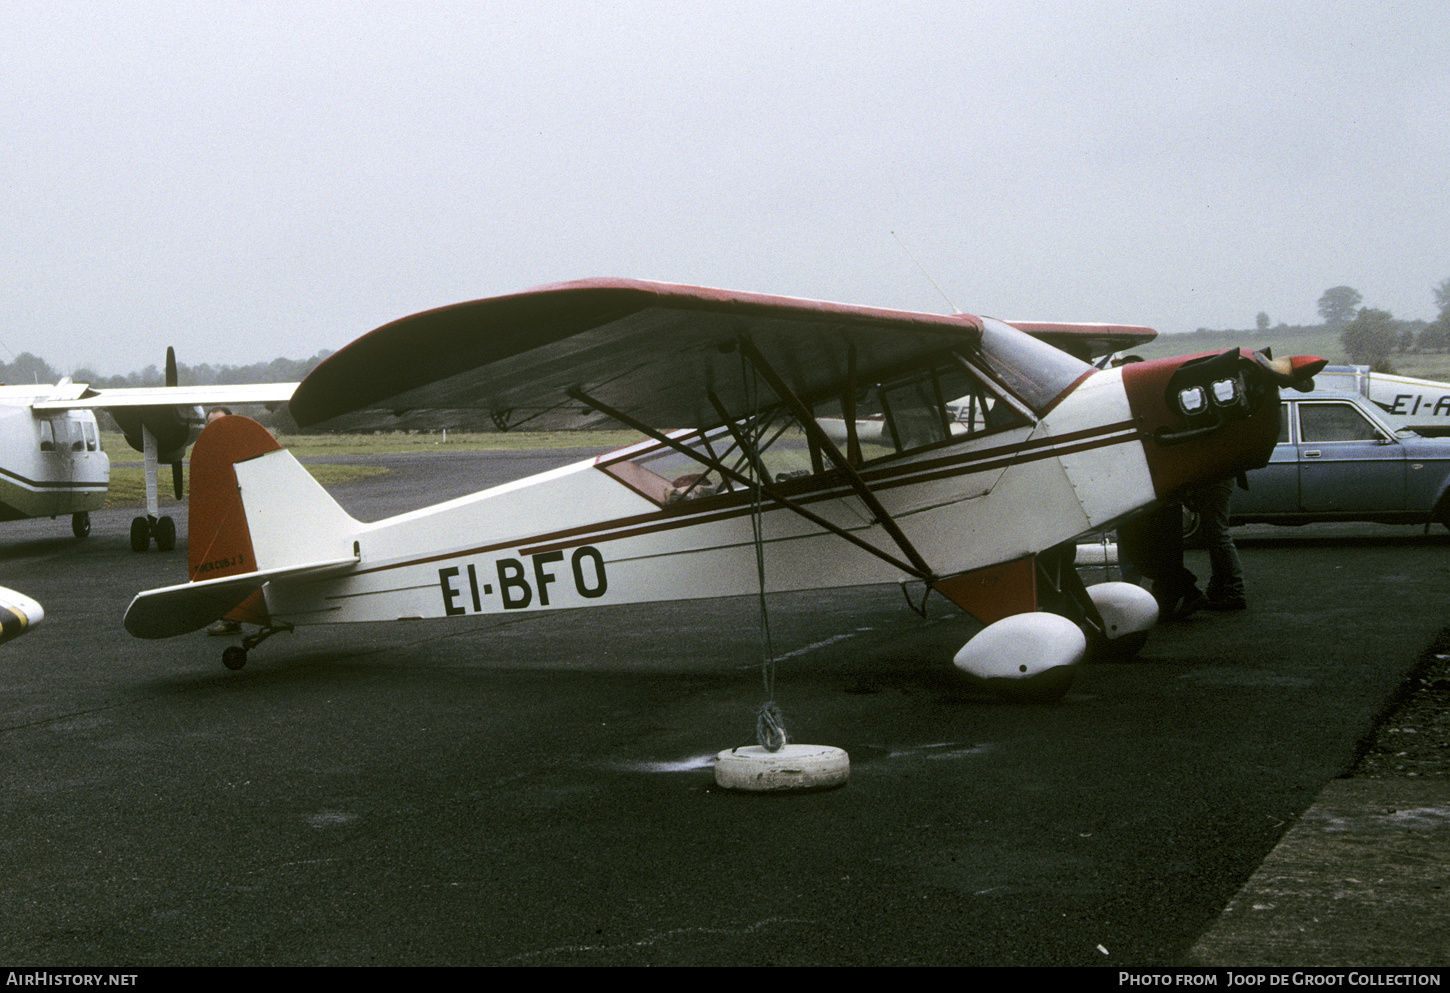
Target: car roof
[[1326, 395]]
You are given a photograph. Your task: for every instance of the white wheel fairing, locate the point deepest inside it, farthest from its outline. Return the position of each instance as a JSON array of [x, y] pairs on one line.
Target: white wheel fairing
[[1027, 657], [1126, 608]]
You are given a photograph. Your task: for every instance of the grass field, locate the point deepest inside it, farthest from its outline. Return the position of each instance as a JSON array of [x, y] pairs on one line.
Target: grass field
[[128, 482], [1293, 341]]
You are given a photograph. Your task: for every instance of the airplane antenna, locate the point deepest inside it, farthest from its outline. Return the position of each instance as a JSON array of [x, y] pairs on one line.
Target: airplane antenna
[[933, 282]]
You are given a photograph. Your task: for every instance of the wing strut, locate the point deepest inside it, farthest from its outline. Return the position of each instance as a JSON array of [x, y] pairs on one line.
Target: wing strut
[[819, 437], [728, 473]]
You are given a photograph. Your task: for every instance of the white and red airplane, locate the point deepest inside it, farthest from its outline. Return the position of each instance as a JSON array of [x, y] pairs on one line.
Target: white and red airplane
[[52, 463], [995, 453]]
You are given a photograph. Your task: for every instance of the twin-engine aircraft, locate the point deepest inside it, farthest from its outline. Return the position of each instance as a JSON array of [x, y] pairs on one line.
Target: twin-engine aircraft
[[971, 458], [51, 462]]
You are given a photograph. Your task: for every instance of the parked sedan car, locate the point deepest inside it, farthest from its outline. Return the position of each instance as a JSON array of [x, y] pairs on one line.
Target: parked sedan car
[[1337, 460]]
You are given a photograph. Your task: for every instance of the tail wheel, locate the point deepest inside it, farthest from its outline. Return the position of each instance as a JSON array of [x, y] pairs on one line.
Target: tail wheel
[[80, 524], [234, 657]]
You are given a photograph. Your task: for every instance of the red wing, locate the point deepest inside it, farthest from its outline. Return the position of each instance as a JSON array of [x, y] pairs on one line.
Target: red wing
[[652, 350]]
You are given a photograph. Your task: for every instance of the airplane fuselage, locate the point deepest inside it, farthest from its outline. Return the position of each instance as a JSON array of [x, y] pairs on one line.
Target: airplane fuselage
[[51, 463], [607, 531]]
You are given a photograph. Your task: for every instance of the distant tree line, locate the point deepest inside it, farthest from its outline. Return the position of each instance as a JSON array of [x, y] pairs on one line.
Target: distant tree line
[[28, 368], [1370, 335]]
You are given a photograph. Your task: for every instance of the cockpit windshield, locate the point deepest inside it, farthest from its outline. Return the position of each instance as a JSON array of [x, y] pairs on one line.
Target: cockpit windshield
[[1035, 371]]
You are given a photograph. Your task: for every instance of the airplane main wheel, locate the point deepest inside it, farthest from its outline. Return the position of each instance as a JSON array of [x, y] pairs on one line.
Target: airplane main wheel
[[80, 524], [165, 532], [1122, 649], [234, 657], [140, 534]]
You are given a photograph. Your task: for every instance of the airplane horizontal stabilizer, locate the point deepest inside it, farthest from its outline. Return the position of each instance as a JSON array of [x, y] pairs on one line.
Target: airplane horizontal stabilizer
[[174, 610]]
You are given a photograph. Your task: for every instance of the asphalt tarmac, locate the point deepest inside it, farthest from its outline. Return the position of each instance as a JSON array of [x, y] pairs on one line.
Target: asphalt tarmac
[[536, 789]]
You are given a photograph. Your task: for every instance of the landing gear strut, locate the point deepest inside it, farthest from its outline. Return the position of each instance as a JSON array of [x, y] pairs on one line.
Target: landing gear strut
[[143, 529], [235, 656], [1110, 622]]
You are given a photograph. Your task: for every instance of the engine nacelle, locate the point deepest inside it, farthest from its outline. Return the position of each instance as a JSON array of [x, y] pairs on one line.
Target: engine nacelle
[[1026, 657], [18, 614]]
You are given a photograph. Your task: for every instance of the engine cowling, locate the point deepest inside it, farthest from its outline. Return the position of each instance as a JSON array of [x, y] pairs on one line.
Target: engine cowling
[[18, 614]]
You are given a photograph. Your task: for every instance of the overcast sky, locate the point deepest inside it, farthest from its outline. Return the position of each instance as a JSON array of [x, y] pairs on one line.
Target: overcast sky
[[248, 180]]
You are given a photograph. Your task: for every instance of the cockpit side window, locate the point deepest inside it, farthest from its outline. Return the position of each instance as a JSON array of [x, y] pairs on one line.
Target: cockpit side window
[[667, 476], [75, 429], [944, 398], [926, 406], [47, 436]]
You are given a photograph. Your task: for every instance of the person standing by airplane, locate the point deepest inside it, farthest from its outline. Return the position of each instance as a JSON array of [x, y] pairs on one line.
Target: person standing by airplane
[[1153, 543], [1226, 584]]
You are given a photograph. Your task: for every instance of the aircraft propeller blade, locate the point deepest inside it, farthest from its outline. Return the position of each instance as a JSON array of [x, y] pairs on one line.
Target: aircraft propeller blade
[[1296, 372], [171, 377]]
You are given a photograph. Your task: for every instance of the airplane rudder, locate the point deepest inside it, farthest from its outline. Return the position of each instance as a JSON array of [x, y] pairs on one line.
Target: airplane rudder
[[219, 542]]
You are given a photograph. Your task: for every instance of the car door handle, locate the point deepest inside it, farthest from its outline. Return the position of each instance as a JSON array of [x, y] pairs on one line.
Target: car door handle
[[1312, 454]]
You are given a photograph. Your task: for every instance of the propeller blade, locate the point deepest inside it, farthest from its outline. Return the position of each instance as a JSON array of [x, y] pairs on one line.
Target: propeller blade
[[170, 366], [177, 479], [1296, 372]]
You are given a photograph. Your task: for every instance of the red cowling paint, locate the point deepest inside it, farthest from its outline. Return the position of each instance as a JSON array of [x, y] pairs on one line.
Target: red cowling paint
[[1237, 447]]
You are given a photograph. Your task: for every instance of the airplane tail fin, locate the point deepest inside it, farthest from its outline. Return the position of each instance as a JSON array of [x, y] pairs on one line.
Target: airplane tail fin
[[255, 515], [255, 508], [219, 542]]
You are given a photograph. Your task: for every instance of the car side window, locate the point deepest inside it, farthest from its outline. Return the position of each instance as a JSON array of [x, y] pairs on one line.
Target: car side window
[[1330, 422]]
